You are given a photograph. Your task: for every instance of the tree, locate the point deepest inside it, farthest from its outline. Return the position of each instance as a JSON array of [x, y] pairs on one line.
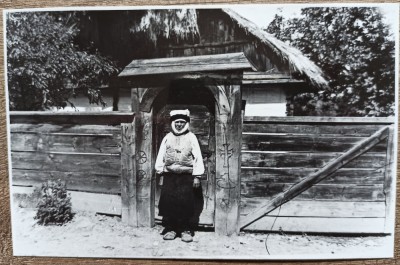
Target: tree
[[45, 67], [353, 46]]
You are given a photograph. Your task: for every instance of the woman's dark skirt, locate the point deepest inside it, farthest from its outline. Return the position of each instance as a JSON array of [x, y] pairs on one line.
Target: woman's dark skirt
[[180, 203]]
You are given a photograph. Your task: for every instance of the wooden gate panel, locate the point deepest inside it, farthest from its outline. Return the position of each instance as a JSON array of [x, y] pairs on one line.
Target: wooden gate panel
[[361, 182]]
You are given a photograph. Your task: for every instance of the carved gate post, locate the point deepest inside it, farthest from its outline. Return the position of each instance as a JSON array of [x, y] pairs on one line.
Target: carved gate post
[[128, 173], [145, 186], [228, 133]]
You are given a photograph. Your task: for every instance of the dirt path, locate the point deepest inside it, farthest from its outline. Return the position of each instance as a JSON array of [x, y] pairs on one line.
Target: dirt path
[[90, 235]]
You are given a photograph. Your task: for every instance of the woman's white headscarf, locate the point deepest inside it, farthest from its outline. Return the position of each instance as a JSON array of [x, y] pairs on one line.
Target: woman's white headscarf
[[180, 115]]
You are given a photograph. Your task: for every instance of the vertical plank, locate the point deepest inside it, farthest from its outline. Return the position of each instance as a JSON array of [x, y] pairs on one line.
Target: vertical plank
[[209, 184], [228, 144], [128, 178], [145, 188], [389, 183]]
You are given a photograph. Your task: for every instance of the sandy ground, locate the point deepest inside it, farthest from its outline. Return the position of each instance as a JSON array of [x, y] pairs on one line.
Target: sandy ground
[[90, 235]]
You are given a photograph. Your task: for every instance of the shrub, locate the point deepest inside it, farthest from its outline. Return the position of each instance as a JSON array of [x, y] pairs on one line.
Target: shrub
[[54, 206]]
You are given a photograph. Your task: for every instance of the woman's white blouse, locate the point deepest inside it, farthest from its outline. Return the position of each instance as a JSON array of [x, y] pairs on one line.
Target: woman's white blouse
[[188, 139]]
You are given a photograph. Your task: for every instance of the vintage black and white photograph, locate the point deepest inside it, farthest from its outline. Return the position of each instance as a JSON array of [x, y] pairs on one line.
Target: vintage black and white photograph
[[260, 132]]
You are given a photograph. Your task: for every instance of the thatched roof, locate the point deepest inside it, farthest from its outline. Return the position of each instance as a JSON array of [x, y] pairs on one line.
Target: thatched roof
[[293, 56]]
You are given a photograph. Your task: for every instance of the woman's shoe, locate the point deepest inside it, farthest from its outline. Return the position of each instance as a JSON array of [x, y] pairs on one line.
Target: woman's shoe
[[171, 235], [186, 237]]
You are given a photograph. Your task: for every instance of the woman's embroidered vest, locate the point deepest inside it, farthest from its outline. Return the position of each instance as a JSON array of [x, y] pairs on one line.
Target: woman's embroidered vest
[[178, 156]]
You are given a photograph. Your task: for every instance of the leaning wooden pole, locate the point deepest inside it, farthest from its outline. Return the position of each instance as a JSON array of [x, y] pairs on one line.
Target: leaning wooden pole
[[357, 150]]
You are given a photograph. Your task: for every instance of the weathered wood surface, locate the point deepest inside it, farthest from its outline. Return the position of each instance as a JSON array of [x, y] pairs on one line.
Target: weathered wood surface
[[281, 151], [314, 120], [390, 182], [303, 129], [231, 61], [273, 81], [313, 160], [319, 225], [66, 142], [87, 118], [86, 157], [228, 149], [219, 34], [66, 162], [144, 160], [128, 175], [46, 128], [365, 176], [80, 181], [312, 208], [326, 192], [295, 190], [305, 143], [253, 75]]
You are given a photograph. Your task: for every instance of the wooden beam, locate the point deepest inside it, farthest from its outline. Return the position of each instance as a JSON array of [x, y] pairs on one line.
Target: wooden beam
[[78, 181], [128, 174], [65, 129], [228, 144], [309, 119], [204, 45], [86, 118], [96, 163], [360, 148], [390, 183], [272, 81], [318, 130], [264, 75], [352, 225], [319, 208], [308, 159]]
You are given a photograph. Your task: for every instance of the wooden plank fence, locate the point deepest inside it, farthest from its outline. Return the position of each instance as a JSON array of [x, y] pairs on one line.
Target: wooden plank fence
[[81, 149], [282, 154], [88, 152]]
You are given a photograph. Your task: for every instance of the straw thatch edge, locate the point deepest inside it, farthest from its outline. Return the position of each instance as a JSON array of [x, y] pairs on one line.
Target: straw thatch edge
[[296, 59]]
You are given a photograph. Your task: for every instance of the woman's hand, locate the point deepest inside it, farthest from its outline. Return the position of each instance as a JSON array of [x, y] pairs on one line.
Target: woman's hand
[[196, 182]]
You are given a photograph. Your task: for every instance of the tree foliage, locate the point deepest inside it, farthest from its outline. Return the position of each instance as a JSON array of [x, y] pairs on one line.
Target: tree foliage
[[355, 49], [46, 67]]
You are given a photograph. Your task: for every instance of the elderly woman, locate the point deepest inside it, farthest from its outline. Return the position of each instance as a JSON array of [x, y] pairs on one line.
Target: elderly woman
[[180, 163]]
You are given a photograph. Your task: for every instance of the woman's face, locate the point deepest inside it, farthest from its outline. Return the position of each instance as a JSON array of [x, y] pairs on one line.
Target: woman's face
[[179, 124]]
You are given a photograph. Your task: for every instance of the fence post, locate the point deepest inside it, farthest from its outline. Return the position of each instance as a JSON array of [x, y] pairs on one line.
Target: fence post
[[228, 132], [145, 188], [128, 174]]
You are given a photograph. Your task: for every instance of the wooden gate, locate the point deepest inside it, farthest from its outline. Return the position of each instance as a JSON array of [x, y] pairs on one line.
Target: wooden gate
[[332, 174]]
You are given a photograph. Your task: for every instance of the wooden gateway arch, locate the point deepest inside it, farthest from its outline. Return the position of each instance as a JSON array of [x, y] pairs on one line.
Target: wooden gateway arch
[[221, 75], [240, 147]]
